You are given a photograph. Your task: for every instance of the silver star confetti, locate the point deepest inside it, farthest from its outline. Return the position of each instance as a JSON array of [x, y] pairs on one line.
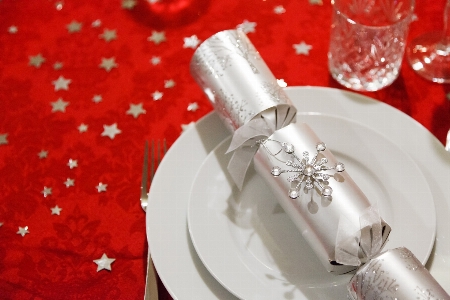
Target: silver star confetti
[[169, 83], [97, 98], [192, 106], [247, 26], [46, 191], [36, 61], [82, 128], [59, 105], [315, 2], [73, 163], [281, 83], [101, 187], [155, 60], [191, 42], [56, 210], [110, 130], [42, 154], [74, 26], [136, 110], [1, 224], [104, 263], [128, 4], [59, 5], [69, 182], [108, 63], [185, 127], [302, 48], [3, 139], [157, 37], [23, 230], [61, 83], [108, 35], [97, 23], [58, 65], [157, 95], [12, 29], [279, 9]]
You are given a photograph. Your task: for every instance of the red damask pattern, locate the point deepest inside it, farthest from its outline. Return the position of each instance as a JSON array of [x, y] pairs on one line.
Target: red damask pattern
[[55, 260]]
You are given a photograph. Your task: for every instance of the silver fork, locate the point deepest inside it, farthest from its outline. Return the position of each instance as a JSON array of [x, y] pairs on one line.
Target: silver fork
[[151, 287], [447, 144]]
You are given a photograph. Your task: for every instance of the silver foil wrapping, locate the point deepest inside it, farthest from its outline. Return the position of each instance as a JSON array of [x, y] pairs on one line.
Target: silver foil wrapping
[[247, 97], [395, 274]]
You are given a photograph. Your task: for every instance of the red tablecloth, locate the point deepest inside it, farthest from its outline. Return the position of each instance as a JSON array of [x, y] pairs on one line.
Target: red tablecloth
[[84, 83]]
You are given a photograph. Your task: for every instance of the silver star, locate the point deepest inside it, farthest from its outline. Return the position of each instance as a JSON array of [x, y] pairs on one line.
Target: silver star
[[97, 98], [58, 65], [59, 5], [191, 42], [169, 83], [101, 187], [82, 128], [157, 95], [157, 37], [73, 163], [110, 130], [69, 182], [56, 210], [108, 63], [135, 110], [3, 140], [128, 4], [192, 106], [302, 48], [12, 29], [315, 2], [108, 35], [281, 83], [104, 263], [36, 60], [74, 26], [96, 23], [43, 154], [1, 224], [185, 127], [59, 105], [279, 9], [46, 191], [61, 83], [155, 60], [247, 26], [23, 230]]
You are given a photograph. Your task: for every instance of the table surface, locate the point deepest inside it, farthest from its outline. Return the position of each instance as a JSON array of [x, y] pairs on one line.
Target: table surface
[[83, 84]]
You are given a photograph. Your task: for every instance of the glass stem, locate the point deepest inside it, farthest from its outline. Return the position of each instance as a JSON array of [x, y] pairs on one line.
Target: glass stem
[[444, 46]]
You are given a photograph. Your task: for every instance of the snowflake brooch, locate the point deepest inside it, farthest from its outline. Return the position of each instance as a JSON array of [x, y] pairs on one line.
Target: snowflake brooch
[[310, 172]]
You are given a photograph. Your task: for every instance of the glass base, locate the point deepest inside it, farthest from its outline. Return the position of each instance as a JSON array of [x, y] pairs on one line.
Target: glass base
[[429, 57]]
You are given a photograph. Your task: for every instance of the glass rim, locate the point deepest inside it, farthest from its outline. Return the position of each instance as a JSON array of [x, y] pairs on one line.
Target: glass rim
[[353, 22]]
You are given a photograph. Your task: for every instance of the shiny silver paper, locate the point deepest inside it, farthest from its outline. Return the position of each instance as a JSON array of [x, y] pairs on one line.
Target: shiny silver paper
[[395, 274], [245, 94], [332, 200], [237, 81]]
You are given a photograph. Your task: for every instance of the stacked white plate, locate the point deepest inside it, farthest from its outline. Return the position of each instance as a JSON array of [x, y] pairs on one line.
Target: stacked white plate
[[246, 246]]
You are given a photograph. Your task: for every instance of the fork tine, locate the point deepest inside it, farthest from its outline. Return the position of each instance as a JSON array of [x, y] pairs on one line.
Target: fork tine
[[152, 167], [144, 192]]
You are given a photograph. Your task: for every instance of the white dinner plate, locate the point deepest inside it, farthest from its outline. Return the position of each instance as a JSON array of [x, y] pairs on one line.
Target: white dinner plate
[[175, 259], [249, 244]]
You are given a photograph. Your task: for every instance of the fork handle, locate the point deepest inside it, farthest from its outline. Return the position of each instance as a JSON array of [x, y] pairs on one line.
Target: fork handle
[[151, 286]]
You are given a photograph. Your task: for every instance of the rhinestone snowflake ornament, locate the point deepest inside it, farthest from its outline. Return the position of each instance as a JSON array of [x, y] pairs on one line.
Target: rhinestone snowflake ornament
[[311, 172]]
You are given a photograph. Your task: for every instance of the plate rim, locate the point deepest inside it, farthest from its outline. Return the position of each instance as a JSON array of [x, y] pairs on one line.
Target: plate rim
[[212, 158]]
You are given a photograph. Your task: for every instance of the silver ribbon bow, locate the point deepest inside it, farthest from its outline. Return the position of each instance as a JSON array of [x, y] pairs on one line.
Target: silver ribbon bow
[[355, 246], [244, 141]]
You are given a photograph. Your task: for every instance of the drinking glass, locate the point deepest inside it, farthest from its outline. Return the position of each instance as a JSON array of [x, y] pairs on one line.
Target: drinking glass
[[367, 41], [429, 54]]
